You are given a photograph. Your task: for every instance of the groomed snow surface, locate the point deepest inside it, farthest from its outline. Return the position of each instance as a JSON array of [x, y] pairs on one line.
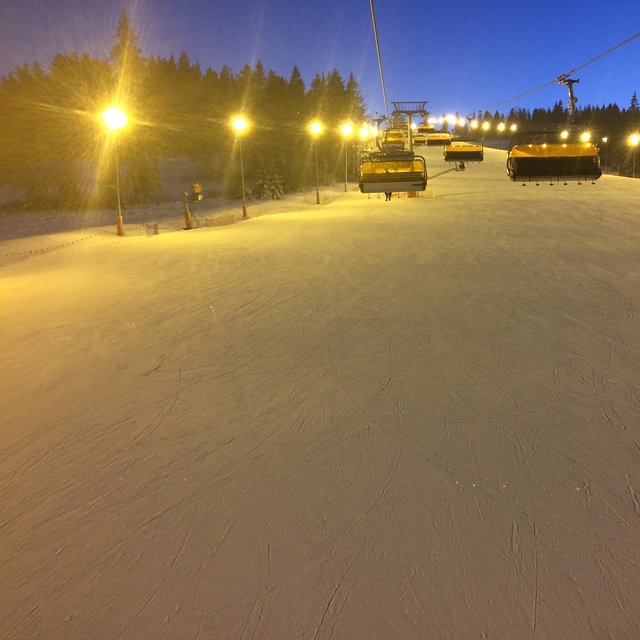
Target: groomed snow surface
[[363, 420]]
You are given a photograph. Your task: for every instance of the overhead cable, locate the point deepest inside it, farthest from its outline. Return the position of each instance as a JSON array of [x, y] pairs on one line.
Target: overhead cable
[[565, 75], [375, 33]]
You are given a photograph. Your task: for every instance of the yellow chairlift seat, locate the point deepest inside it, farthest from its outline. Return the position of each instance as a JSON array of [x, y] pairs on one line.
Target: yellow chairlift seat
[[393, 139], [381, 172], [464, 151], [421, 132], [554, 160], [438, 138]]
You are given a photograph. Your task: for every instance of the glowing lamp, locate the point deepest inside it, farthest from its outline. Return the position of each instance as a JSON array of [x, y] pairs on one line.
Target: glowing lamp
[[239, 124], [115, 118]]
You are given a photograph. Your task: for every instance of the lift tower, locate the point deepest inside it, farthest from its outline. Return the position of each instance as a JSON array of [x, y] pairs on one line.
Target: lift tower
[[410, 109]]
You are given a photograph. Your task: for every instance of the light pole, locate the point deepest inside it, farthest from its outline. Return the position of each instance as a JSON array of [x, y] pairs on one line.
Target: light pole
[[485, 130], [606, 146], [347, 130], [316, 128], [116, 119], [240, 124], [634, 138], [364, 135]]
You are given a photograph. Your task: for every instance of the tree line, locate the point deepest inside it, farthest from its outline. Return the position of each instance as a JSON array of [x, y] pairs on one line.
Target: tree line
[[54, 143]]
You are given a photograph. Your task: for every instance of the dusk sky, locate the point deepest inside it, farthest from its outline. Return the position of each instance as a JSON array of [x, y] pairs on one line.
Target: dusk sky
[[459, 56]]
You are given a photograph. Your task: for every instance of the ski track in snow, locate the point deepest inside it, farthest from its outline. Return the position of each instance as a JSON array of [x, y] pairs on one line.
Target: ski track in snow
[[408, 419]]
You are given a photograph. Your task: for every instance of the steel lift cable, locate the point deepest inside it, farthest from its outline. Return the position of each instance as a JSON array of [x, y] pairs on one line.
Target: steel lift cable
[[375, 33], [561, 78]]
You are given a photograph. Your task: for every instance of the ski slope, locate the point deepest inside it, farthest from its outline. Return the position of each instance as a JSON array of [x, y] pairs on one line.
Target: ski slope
[[416, 419]]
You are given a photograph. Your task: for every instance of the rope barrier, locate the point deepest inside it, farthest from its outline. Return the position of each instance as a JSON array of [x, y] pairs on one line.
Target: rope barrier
[[28, 252]]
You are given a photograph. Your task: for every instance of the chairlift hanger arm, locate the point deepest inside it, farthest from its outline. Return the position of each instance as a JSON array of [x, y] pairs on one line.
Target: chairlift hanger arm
[[569, 82], [460, 166]]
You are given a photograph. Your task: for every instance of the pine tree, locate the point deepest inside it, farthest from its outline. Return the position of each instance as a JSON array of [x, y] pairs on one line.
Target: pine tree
[[296, 88], [250, 84], [133, 91], [269, 184], [126, 56], [355, 100], [336, 98]]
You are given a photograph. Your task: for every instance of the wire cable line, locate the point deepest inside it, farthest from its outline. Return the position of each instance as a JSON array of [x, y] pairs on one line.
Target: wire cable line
[[564, 76], [375, 33]]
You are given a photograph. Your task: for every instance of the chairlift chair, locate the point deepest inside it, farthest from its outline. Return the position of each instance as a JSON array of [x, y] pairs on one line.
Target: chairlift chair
[[464, 151], [392, 171], [555, 153], [438, 138], [552, 155]]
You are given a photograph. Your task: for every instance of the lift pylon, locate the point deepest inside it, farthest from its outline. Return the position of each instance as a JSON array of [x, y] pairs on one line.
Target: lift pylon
[[410, 109]]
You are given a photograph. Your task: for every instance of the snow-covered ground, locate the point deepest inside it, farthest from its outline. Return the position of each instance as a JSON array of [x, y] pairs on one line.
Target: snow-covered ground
[[416, 419]]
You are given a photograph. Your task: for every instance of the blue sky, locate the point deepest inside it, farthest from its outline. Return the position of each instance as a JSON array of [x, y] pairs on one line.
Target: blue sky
[[459, 56]]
